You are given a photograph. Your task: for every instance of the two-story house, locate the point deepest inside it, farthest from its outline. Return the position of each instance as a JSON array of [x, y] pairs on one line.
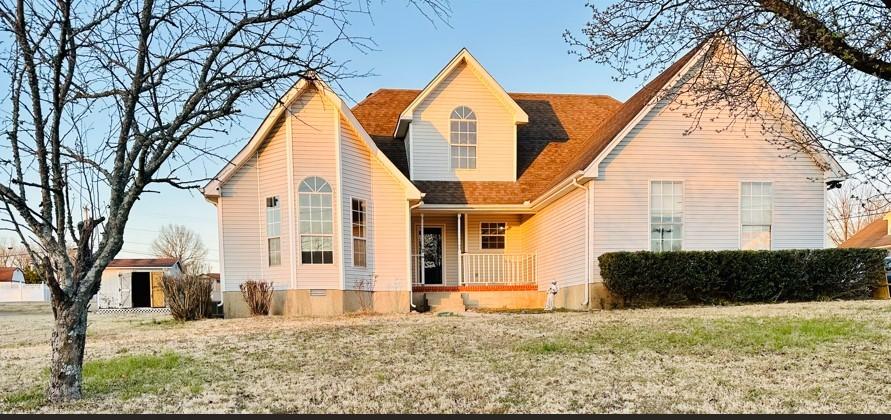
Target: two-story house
[[470, 196]]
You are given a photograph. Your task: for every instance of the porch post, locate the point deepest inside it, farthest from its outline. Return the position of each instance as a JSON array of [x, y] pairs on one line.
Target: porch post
[[421, 250], [460, 257]]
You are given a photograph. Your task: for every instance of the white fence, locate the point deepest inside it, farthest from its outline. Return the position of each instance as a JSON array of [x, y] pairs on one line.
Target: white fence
[[20, 292]]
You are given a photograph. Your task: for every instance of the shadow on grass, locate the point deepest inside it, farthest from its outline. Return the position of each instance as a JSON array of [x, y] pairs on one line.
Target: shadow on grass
[[124, 377], [692, 335]]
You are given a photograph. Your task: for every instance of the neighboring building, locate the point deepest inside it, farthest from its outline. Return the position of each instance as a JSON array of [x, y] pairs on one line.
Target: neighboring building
[[11, 275], [875, 235], [475, 197], [216, 295], [135, 283]]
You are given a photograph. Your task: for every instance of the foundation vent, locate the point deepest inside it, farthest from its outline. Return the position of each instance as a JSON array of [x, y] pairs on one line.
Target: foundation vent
[[318, 292]]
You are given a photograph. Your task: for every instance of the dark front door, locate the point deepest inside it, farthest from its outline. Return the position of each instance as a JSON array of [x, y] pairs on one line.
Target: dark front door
[[432, 255]]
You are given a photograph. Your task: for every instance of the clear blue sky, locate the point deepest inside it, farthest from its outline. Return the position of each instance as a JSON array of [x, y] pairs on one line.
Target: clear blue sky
[[519, 42]]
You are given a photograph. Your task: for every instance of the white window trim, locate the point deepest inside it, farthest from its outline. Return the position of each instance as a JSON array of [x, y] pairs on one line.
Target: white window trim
[[773, 208], [649, 246], [300, 234], [266, 230], [475, 145], [480, 237], [353, 238]]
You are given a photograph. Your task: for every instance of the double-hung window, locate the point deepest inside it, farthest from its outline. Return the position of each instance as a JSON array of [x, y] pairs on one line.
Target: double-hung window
[[358, 210], [756, 215], [273, 231], [462, 138], [666, 215], [316, 231], [492, 235]]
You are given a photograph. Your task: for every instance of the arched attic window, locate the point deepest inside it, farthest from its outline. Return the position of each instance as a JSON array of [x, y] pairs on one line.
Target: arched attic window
[[462, 138]]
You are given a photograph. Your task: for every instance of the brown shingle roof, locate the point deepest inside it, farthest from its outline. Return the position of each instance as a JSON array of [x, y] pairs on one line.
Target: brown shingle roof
[[558, 126], [6, 273], [142, 262], [874, 235], [564, 134]]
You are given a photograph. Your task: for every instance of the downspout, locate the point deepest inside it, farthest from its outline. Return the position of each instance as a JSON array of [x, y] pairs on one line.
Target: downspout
[[411, 298], [575, 182]]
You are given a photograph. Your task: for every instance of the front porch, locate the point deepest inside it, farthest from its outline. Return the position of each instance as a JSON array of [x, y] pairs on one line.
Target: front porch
[[473, 260]]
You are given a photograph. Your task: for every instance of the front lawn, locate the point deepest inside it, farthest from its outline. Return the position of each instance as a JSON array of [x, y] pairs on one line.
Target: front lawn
[[813, 357]]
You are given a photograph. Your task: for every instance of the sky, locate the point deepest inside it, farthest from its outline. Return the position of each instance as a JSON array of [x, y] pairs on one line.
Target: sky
[[520, 43]]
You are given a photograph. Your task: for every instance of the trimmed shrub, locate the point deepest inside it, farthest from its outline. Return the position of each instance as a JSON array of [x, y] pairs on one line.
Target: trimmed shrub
[[715, 277], [187, 296], [257, 295]]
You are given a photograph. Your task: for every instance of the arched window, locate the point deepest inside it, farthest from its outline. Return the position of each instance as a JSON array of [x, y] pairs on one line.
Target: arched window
[[316, 229], [462, 138]]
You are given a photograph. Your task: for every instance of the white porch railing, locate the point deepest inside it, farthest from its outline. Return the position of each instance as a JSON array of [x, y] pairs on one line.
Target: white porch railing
[[498, 268]]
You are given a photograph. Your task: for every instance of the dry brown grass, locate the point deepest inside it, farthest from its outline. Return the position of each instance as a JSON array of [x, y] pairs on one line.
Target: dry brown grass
[[813, 357]]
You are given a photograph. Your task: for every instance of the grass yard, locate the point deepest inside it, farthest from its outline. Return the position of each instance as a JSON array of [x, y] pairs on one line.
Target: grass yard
[[812, 357]]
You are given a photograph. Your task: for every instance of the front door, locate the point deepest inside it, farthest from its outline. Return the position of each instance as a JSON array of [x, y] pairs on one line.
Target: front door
[[432, 242]]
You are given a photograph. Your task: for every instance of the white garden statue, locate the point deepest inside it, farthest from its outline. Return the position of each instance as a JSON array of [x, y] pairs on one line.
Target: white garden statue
[[552, 292]]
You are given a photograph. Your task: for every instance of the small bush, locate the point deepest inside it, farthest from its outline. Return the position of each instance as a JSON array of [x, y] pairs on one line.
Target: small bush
[[188, 296], [715, 277], [258, 295]]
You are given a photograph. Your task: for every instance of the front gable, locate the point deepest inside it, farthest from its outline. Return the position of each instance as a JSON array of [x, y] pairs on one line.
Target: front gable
[[669, 97], [303, 93], [464, 88]]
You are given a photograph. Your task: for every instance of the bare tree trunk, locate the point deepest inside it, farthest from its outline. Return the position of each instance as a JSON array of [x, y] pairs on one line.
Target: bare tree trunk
[[68, 342]]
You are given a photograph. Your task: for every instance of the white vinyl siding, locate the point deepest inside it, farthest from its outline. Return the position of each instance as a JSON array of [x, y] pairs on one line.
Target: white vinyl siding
[[495, 136], [313, 129], [556, 235], [241, 233], [388, 247], [712, 161], [356, 170]]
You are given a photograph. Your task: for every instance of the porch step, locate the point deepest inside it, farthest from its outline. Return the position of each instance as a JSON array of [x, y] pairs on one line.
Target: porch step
[[445, 302]]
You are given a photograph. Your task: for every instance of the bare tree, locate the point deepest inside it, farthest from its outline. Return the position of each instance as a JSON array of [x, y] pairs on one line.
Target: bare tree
[[110, 97], [830, 59], [851, 208], [180, 242]]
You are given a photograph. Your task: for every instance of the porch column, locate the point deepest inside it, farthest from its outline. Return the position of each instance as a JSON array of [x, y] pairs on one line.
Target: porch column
[[460, 257], [421, 250]]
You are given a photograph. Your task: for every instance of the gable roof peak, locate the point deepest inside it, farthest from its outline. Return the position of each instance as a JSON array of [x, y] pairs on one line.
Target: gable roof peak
[[462, 57]]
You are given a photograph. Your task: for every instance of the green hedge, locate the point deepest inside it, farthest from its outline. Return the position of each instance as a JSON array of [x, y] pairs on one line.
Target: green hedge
[[714, 277]]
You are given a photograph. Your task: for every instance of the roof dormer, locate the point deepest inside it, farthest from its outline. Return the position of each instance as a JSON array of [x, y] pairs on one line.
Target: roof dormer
[[463, 58]]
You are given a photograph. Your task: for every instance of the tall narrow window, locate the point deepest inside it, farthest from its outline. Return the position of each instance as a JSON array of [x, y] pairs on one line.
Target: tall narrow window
[[273, 231], [492, 235], [462, 138], [756, 214], [316, 243], [666, 215], [359, 245]]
